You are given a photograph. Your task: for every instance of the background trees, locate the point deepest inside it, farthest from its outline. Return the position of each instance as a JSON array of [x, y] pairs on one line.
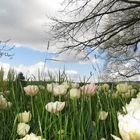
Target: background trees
[[109, 26]]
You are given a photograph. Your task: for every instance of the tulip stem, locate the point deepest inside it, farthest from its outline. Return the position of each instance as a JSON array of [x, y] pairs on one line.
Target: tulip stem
[[60, 98], [32, 106]]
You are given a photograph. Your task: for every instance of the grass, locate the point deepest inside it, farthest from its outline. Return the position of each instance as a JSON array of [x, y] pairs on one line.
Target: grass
[[79, 120]]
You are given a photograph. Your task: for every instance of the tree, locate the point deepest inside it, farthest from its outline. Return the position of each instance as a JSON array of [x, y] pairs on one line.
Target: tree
[[6, 48], [21, 79], [109, 26]]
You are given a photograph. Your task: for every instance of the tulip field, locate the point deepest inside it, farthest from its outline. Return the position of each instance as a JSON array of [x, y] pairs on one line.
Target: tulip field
[[68, 111]]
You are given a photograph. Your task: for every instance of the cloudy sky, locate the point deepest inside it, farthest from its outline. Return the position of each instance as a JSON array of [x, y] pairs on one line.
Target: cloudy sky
[[25, 23]]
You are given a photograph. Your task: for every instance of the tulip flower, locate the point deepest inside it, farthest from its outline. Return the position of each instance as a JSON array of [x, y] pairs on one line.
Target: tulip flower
[[102, 139], [32, 136], [66, 85], [31, 90], [103, 115], [115, 137], [123, 88], [105, 87], [51, 86], [75, 93], [128, 127], [59, 90], [128, 124], [138, 95], [23, 129], [89, 89], [133, 106], [3, 102], [24, 117], [9, 104], [55, 107]]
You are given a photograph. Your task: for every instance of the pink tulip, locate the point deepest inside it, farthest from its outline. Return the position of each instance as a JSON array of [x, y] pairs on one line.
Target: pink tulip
[[31, 90], [89, 89]]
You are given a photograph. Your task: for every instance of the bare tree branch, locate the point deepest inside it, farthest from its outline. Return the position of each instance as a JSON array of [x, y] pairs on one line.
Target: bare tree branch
[[111, 26], [6, 49]]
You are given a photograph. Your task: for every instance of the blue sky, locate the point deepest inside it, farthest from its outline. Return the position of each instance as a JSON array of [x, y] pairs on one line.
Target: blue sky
[[27, 57]]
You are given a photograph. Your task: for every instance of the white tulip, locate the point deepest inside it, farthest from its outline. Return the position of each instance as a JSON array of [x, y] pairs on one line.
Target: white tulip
[[59, 90], [123, 88], [67, 85], [51, 86], [3, 102], [102, 139], [9, 104], [128, 124], [75, 93], [31, 136], [132, 106], [138, 95], [103, 115], [31, 90], [23, 129], [24, 117], [115, 137], [55, 107], [129, 127], [105, 87]]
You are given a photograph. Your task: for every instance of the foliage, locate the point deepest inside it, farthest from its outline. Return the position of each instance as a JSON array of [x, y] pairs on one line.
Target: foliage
[[109, 26], [78, 120]]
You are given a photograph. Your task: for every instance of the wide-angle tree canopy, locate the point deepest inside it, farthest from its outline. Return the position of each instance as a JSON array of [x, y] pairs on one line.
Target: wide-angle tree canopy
[[109, 26]]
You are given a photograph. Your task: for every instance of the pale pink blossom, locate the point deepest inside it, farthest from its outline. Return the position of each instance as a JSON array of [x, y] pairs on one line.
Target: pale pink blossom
[[31, 90], [55, 107], [89, 89]]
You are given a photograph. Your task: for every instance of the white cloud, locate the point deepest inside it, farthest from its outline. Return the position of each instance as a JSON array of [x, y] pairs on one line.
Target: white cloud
[[23, 21], [72, 75], [73, 57], [39, 69], [77, 57]]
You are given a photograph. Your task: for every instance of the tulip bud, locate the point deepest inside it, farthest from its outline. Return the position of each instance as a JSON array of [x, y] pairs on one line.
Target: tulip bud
[[9, 104], [24, 117], [103, 115], [75, 93], [105, 87], [3, 102], [23, 129]]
